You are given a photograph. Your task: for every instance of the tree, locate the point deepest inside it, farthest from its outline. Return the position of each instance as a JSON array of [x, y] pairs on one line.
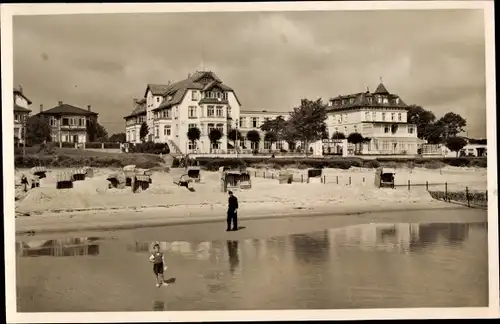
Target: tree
[[96, 132], [455, 144], [421, 118], [143, 131], [214, 136], [355, 138], [234, 135], [338, 135], [253, 137], [270, 137], [193, 135], [452, 124], [434, 133], [118, 137], [308, 121], [38, 130]]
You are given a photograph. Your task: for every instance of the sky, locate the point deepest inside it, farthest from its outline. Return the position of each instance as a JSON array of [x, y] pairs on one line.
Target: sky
[[432, 58]]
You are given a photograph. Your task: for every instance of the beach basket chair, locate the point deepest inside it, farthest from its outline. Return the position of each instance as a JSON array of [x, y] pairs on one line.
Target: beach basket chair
[[64, 180]]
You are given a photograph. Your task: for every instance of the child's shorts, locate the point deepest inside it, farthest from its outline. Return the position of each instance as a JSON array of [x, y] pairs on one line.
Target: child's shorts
[[158, 268]]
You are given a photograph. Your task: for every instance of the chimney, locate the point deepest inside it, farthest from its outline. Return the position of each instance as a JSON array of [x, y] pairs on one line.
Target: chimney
[[41, 107], [89, 107], [60, 103], [189, 75]]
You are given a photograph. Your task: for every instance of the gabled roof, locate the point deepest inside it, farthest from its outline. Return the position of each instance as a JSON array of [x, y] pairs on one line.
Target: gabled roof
[[139, 108], [21, 109], [381, 89], [156, 89], [175, 92], [66, 109], [20, 93]]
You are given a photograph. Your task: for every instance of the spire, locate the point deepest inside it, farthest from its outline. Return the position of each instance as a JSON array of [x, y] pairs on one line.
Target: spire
[[381, 89]]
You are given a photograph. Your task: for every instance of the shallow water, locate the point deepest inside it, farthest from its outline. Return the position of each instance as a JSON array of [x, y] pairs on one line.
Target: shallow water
[[360, 266]]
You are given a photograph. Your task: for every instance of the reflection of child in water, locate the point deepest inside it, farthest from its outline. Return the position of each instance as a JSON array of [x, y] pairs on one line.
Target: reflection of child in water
[[158, 260]]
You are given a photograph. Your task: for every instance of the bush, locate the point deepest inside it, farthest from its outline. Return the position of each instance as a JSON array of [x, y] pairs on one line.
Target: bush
[[150, 147], [112, 145], [457, 162], [67, 144], [371, 164], [93, 145], [433, 165], [66, 160], [479, 163]]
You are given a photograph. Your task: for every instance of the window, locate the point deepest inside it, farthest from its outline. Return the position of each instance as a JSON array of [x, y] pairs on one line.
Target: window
[[194, 95], [220, 127], [279, 145], [411, 130], [267, 145], [385, 145], [242, 122], [225, 95], [210, 127], [369, 100], [397, 101], [220, 112], [374, 116], [217, 94], [255, 122], [393, 116], [192, 145], [228, 111], [211, 111], [383, 116], [157, 99], [52, 121], [386, 129], [385, 100], [157, 131], [65, 122], [367, 116], [399, 116], [345, 118], [167, 130], [166, 113], [192, 126], [192, 111]]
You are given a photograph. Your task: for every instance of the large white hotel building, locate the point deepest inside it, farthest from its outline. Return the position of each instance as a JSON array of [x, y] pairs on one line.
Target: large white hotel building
[[203, 101]]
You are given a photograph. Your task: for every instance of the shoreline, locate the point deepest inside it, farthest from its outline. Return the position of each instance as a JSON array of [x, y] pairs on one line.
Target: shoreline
[[180, 215]]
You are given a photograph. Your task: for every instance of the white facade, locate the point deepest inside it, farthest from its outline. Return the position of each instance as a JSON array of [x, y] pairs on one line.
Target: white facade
[[380, 116], [200, 101], [253, 120], [21, 113]]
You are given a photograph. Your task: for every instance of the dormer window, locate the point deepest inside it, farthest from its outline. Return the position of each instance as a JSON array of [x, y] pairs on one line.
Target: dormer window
[[397, 101], [169, 97]]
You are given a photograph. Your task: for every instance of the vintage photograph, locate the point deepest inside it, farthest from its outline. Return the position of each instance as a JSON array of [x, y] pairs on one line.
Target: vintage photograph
[[249, 160]]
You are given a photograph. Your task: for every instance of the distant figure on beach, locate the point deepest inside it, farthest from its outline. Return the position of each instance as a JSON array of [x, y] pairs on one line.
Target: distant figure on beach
[[158, 260], [232, 212]]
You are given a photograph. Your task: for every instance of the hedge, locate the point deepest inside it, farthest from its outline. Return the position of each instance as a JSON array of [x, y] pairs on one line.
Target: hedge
[[65, 160], [150, 147], [213, 164]]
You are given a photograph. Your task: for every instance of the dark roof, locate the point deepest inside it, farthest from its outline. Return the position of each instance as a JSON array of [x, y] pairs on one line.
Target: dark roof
[[139, 108], [362, 99], [21, 109], [381, 89], [175, 92], [20, 93], [66, 109], [156, 89]]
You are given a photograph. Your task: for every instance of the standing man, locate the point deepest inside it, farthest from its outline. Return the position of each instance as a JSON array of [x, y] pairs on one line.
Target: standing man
[[232, 212]]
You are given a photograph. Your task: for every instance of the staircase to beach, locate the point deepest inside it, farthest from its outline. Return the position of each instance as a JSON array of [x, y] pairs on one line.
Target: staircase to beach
[[174, 149]]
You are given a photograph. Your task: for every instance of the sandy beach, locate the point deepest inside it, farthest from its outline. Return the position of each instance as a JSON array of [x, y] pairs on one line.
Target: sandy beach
[[92, 203]]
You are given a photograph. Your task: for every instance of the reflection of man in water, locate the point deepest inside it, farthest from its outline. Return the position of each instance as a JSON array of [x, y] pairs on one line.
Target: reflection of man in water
[[232, 212], [232, 251]]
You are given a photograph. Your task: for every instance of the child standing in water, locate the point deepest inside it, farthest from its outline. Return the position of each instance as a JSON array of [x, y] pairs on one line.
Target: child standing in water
[[158, 260]]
